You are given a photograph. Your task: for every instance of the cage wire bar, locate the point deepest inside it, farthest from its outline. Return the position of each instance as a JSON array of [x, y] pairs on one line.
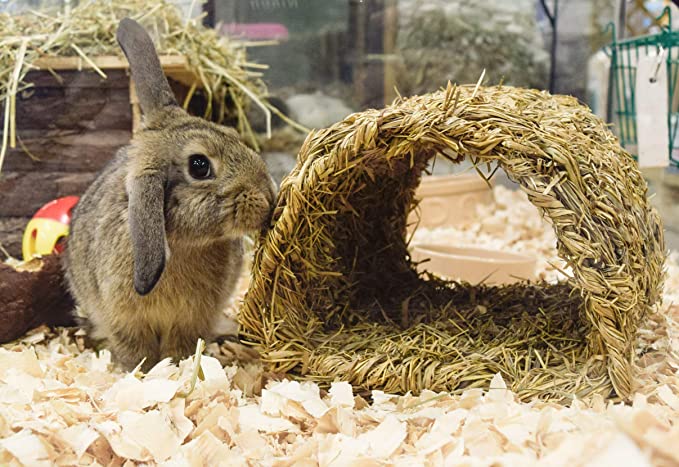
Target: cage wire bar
[[624, 55]]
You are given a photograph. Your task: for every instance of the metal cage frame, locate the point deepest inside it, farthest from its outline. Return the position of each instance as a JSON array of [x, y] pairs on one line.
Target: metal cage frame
[[624, 55]]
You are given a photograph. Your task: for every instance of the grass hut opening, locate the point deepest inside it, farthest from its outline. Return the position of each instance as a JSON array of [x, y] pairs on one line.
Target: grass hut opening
[[335, 295]]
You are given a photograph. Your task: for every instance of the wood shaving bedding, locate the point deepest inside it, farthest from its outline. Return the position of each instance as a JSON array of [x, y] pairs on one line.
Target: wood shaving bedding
[[63, 404]]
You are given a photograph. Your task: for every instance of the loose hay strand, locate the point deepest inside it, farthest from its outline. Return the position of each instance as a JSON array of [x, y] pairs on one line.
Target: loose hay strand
[[332, 277], [9, 124], [89, 61], [197, 372]]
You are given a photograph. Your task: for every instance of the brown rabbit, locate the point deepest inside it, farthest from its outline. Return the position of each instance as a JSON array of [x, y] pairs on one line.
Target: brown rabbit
[[155, 247]]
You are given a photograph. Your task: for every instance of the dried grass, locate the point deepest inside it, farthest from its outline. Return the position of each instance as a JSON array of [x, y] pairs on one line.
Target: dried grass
[[88, 30], [334, 296]]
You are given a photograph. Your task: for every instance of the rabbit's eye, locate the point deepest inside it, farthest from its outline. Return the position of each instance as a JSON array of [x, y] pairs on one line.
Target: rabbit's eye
[[199, 167]]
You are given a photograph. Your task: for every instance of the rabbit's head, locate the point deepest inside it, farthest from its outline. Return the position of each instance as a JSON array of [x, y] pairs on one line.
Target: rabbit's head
[[189, 181]]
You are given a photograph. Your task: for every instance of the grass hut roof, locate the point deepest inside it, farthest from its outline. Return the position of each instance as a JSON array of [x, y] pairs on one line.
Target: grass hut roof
[[334, 294]]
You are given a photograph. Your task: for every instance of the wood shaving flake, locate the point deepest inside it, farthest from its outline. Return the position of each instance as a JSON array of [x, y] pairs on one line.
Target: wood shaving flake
[[341, 395], [212, 420], [276, 399], [25, 361], [337, 420], [385, 439], [251, 418], [207, 449], [152, 431], [27, 448], [125, 394], [122, 447], [253, 445], [79, 437]]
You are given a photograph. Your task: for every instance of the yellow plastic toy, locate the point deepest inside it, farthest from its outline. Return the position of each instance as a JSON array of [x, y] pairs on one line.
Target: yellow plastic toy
[[48, 228]]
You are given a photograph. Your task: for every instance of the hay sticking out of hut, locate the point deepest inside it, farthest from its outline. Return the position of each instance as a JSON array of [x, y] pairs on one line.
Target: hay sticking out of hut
[[334, 295], [88, 30]]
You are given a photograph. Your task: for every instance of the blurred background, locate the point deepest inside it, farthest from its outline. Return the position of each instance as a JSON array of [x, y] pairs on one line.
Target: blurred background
[[322, 60], [334, 57], [354, 54], [359, 51]]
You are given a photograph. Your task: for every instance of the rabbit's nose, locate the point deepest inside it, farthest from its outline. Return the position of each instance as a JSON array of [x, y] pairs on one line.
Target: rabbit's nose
[[253, 198], [253, 207]]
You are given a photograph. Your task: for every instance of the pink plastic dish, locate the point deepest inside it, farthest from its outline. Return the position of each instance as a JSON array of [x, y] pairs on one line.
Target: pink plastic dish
[[256, 31], [450, 200], [474, 265]]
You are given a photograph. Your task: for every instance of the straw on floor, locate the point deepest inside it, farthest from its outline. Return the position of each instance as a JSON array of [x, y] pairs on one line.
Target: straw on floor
[[334, 295]]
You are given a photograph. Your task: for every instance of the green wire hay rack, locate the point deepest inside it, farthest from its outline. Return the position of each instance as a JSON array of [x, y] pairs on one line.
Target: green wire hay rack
[[624, 55]]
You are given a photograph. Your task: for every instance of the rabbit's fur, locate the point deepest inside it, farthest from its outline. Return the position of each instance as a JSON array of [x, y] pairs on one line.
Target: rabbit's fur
[[153, 253]]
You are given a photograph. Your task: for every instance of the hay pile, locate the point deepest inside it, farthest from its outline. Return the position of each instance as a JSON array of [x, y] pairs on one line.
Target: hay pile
[[457, 39], [334, 295], [61, 404], [229, 81]]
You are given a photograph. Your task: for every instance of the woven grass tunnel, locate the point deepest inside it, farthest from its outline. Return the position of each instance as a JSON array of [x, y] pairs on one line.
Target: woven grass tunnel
[[334, 294]]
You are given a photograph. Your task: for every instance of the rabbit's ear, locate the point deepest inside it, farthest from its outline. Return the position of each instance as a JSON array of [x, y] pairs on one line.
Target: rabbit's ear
[[147, 230], [152, 87]]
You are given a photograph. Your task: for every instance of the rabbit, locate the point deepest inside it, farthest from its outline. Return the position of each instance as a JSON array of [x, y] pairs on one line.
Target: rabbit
[[156, 242]]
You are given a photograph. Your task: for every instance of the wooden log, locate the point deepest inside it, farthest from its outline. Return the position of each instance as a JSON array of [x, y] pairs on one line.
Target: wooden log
[[72, 78], [65, 151], [83, 101], [33, 297], [73, 99], [73, 109], [23, 193]]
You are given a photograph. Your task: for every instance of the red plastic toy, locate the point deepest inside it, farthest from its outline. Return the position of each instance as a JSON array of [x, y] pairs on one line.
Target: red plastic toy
[[48, 227]]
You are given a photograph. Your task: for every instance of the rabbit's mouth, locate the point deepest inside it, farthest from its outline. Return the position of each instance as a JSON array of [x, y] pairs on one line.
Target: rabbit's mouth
[[252, 211], [251, 222]]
